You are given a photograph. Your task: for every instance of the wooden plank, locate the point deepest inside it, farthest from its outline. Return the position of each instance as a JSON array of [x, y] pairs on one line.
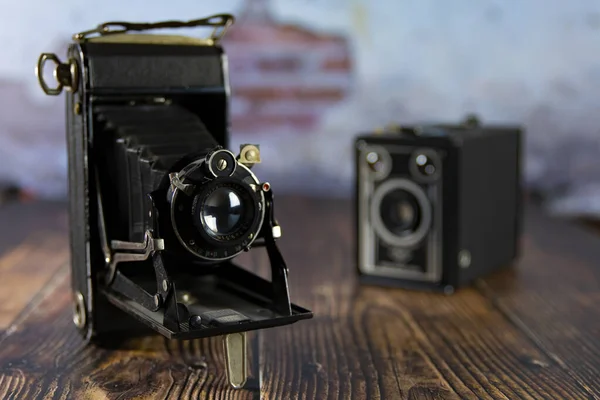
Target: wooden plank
[[553, 295], [364, 342], [19, 220], [26, 269], [33, 245], [44, 356], [386, 343]]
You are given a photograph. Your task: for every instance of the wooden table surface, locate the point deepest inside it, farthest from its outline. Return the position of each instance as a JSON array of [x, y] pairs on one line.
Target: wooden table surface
[[532, 331]]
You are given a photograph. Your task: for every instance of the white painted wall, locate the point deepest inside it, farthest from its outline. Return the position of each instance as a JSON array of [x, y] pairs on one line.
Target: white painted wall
[[530, 61]]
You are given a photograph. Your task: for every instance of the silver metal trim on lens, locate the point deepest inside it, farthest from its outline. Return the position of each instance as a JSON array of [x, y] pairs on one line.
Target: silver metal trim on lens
[[424, 205], [261, 208]]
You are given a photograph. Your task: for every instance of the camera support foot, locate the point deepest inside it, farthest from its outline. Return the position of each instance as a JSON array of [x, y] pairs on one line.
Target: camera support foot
[[236, 358]]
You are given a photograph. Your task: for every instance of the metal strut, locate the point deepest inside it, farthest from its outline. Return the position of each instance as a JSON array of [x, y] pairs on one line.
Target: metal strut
[[121, 251], [140, 252]]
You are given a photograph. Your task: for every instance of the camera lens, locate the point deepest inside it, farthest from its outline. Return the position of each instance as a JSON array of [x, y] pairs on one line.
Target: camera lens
[[222, 212], [400, 212], [216, 216]]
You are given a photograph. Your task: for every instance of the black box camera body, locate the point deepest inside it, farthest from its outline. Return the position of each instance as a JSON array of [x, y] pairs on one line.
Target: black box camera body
[[158, 207], [437, 205]]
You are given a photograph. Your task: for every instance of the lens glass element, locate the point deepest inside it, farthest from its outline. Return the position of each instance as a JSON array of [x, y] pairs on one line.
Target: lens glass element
[[222, 212], [400, 212]]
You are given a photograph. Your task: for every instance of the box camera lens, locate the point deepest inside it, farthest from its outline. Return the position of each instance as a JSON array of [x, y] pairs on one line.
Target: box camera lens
[[400, 212], [426, 195]]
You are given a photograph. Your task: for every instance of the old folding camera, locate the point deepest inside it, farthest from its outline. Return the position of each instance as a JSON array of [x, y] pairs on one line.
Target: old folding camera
[[437, 205], [158, 207]]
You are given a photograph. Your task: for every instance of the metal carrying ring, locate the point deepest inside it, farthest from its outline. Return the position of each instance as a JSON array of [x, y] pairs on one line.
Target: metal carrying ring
[[39, 72], [66, 74]]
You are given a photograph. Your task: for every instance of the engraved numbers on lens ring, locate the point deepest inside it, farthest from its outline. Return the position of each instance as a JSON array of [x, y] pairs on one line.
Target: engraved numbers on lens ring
[[246, 197], [424, 205], [204, 245], [199, 242]]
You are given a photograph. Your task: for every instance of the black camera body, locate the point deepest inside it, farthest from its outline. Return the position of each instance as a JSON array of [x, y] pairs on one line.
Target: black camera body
[[158, 207], [437, 205]]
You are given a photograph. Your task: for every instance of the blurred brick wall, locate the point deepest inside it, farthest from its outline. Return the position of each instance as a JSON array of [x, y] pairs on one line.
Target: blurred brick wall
[[307, 76]]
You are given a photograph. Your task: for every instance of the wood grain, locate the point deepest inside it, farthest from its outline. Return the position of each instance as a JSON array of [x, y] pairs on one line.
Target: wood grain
[[517, 334], [397, 344], [33, 245], [553, 296], [20, 220], [44, 356]]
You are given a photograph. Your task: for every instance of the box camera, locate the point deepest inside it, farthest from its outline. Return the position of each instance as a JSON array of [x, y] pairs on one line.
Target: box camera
[[158, 207], [437, 205]]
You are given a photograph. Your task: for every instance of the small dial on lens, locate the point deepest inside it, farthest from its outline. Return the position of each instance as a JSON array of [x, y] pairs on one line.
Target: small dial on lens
[[221, 163]]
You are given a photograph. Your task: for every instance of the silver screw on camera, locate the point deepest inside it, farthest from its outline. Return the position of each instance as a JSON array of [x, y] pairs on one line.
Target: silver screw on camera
[[157, 300], [464, 259], [79, 313], [221, 164]]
